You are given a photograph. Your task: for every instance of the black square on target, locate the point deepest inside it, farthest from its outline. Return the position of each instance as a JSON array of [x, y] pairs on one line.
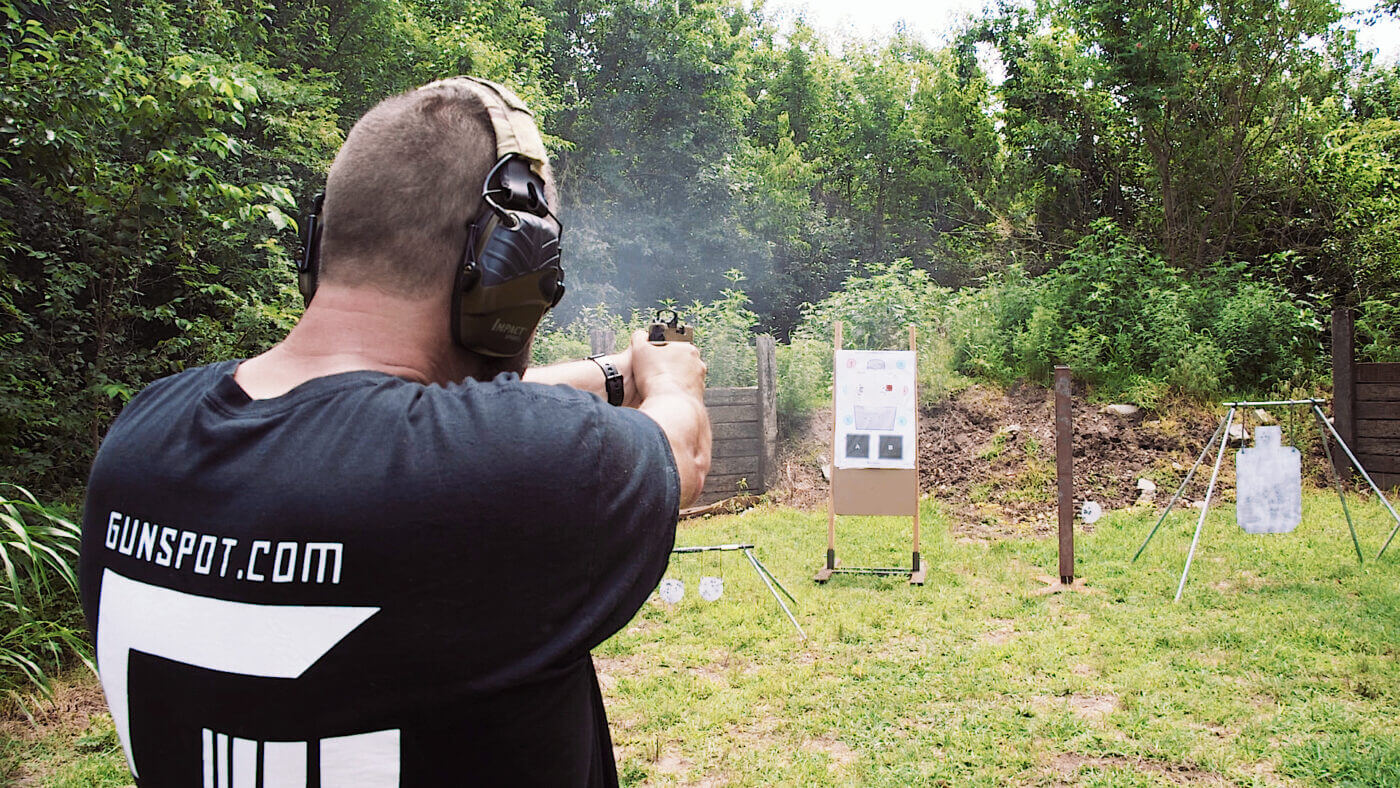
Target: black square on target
[[892, 447], [857, 445]]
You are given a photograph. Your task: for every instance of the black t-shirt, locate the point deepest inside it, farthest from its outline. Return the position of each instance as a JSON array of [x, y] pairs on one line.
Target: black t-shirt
[[367, 581]]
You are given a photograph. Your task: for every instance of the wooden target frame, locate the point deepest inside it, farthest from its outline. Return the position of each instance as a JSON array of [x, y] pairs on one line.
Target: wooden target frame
[[890, 492]]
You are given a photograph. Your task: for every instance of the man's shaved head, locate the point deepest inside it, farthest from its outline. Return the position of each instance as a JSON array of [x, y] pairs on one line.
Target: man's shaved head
[[403, 189]]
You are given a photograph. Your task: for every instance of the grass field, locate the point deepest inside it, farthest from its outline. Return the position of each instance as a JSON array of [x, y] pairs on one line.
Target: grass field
[[1281, 665]]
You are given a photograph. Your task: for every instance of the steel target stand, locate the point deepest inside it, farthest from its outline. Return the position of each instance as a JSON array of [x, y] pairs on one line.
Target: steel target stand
[[1222, 435], [763, 573]]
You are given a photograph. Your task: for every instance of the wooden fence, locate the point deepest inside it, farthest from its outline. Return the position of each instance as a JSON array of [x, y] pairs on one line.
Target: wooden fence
[[1366, 405], [744, 423]]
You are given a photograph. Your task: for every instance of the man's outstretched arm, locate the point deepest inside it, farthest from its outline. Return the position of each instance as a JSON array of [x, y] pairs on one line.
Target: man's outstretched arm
[[587, 375], [667, 383]]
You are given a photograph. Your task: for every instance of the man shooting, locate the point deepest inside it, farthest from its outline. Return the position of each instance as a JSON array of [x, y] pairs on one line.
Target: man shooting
[[374, 555]]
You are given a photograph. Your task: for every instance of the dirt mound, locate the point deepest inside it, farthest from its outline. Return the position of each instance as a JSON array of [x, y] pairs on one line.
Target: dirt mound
[[989, 456]]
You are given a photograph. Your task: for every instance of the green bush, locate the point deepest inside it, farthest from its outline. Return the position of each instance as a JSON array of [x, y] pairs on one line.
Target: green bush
[[724, 332], [1268, 337], [875, 310], [984, 326], [554, 343], [1134, 327], [1197, 370], [804, 381], [1378, 329], [144, 200]]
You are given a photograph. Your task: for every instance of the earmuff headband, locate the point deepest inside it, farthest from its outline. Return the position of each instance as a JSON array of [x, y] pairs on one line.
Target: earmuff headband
[[511, 120], [510, 273]]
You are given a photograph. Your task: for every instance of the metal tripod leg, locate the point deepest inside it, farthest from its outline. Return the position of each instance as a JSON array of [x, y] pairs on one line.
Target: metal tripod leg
[[1357, 464], [1205, 506], [1337, 480], [774, 578], [1180, 489], [763, 575]]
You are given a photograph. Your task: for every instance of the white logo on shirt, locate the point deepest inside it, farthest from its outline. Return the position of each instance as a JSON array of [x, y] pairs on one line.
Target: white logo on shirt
[[272, 641], [366, 760]]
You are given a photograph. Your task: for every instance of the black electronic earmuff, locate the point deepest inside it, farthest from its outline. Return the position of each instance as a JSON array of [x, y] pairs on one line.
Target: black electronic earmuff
[[309, 266], [509, 274]]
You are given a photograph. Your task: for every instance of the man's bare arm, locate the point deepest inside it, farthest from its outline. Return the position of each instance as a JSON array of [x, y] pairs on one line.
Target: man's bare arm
[[665, 382], [587, 375]]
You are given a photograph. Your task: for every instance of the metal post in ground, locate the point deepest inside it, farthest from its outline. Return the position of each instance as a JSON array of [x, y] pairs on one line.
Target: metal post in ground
[[1064, 471], [1064, 488]]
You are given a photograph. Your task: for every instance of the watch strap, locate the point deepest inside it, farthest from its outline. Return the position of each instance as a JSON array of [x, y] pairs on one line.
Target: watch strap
[[612, 379]]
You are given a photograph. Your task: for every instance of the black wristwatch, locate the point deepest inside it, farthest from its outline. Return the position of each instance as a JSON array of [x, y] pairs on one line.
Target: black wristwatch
[[612, 379]]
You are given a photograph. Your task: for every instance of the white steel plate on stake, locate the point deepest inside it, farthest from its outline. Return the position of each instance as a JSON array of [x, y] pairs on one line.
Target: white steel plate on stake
[[875, 402]]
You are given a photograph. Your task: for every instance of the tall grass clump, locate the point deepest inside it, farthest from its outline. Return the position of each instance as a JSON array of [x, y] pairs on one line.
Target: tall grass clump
[[38, 594], [1135, 327]]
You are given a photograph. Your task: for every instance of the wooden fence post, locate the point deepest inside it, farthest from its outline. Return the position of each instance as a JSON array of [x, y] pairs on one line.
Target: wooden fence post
[[601, 340], [768, 410], [1344, 383]]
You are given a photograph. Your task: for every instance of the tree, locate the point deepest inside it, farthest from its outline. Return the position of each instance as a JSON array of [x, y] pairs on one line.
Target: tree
[[1209, 88]]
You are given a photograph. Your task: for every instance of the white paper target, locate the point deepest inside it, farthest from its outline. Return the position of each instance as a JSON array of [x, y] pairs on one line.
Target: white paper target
[[672, 591], [711, 588], [1268, 484], [875, 408], [1090, 512]]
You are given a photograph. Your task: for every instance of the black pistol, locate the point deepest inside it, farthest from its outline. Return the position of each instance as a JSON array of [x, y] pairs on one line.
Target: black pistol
[[672, 330]]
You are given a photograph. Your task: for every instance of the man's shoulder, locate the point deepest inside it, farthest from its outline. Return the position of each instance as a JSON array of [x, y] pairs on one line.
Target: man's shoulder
[[178, 385], [557, 415]]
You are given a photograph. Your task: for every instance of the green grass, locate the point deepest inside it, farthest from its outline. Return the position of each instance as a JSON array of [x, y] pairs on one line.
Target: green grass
[[1281, 665], [67, 757]]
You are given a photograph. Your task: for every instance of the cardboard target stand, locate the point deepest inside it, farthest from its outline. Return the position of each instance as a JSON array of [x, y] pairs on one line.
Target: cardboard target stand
[[874, 449]]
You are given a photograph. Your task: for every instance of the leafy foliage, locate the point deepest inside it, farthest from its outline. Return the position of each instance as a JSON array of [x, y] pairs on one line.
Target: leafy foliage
[[137, 238], [554, 343], [1122, 318], [1164, 196], [1378, 327], [152, 155], [724, 332]]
